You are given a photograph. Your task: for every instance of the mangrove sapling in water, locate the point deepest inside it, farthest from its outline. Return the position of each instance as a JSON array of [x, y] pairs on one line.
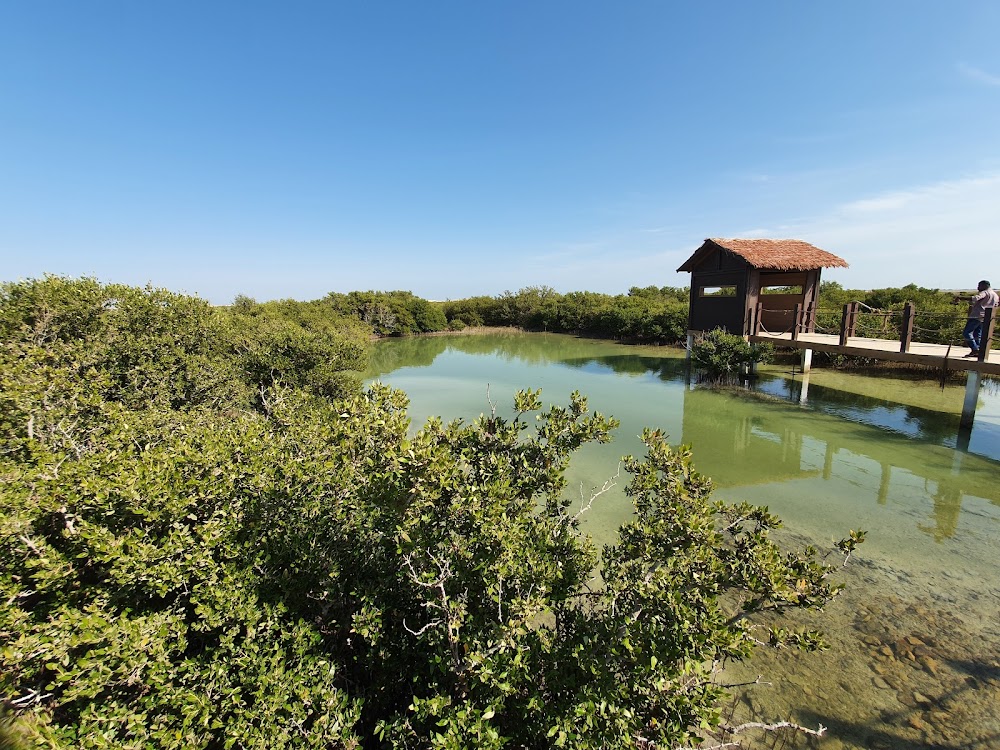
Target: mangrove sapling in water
[[725, 357]]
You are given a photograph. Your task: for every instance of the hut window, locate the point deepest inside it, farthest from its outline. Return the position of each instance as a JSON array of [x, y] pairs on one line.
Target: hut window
[[726, 290], [782, 289]]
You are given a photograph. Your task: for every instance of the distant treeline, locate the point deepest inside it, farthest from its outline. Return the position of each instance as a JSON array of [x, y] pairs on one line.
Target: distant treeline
[[651, 314], [644, 314]]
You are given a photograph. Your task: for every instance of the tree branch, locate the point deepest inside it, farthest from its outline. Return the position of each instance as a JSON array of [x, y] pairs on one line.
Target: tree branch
[[777, 725], [611, 481]]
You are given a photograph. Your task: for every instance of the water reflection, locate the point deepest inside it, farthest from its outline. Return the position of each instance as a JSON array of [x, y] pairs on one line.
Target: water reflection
[[633, 365], [767, 436], [907, 420], [744, 445], [531, 349]]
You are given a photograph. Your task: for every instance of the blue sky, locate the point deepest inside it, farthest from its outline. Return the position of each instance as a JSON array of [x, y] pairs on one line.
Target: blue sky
[[457, 148]]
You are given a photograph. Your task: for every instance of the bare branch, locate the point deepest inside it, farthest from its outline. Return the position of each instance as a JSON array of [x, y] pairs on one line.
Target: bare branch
[[30, 545], [758, 681], [444, 570], [735, 523], [778, 725], [31, 698], [263, 401], [54, 474], [493, 406], [422, 630], [585, 505], [68, 519], [76, 448]]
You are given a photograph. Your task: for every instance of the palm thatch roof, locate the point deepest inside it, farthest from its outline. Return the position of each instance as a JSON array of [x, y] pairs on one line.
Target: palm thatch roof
[[768, 255]]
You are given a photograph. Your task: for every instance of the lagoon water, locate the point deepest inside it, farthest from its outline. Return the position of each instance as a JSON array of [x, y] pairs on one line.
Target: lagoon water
[[915, 638]]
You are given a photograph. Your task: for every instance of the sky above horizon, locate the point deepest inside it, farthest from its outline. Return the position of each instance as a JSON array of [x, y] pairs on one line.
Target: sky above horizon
[[288, 150]]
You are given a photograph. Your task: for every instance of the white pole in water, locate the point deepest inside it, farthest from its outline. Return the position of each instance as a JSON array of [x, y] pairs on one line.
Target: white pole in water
[[972, 382], [687, 361], [807, 360]]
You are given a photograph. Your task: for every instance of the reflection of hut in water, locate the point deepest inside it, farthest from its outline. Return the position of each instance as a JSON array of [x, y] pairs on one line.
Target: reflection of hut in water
[[947, 509], [736, 447], [730, 276]]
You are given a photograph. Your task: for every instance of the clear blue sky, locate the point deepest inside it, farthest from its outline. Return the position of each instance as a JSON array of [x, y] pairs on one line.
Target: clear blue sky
[[290, 149]]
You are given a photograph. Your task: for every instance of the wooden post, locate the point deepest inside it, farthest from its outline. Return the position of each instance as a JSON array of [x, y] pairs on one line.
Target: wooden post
[[845, 320], [989, 322], [972, 381], [906, 330], [853, 323], [807, 360], [796, 321], [758, 312]]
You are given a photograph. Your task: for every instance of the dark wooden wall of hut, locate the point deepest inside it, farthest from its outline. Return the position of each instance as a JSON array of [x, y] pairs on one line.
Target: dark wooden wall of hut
[[735, 313], [708, 312]]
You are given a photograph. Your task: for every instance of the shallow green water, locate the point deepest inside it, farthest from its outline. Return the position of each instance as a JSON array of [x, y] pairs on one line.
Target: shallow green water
[[915, 657]]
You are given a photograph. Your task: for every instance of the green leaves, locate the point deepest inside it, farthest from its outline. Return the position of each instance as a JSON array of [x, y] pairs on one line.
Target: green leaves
[[162, 625], [722, 355], [644, 314], [300, 344], [184, 565]]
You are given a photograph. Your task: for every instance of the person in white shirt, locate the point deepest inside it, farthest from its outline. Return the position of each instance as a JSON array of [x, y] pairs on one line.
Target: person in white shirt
[[978, 303]]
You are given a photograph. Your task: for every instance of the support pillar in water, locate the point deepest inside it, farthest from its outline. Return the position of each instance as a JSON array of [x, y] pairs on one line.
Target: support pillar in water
[[687, 359], [807, 360], [972, 382]]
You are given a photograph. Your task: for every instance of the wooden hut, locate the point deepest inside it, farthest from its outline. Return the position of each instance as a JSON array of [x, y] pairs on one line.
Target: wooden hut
[[729, 277]]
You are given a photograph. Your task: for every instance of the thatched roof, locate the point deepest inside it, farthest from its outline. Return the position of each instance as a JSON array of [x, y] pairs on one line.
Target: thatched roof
[[769, 255]]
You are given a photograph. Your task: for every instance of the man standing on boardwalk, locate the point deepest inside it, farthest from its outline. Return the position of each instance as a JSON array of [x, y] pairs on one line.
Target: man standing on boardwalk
[[978, 303]]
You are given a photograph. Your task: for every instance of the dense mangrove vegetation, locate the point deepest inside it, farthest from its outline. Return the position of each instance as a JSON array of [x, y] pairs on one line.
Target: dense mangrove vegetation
[[643, 315], [211, 536]]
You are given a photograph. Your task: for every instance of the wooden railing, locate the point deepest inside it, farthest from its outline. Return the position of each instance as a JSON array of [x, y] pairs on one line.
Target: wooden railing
[[803, 320]]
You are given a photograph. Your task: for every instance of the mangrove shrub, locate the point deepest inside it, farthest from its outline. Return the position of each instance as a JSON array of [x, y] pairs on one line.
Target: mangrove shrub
[[721, 355], [183, 569]]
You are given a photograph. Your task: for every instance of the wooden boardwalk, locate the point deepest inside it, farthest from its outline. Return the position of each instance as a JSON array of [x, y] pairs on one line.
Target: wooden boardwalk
[[929, 355]]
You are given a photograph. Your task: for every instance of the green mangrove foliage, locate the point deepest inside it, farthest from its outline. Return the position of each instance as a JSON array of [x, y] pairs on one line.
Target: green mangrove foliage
[[648, 314], [206, 542], [722, 356], [644, 314], [302, 344], [390, 313]]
